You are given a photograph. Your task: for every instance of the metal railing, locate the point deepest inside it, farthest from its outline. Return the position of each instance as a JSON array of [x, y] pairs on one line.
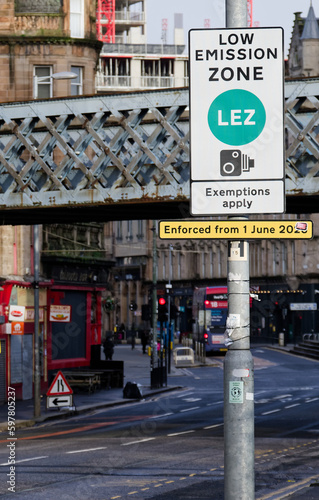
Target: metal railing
[[103, 81], [141, 48]]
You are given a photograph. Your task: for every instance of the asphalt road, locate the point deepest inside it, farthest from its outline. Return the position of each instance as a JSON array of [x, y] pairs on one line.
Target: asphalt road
[[171, 446]]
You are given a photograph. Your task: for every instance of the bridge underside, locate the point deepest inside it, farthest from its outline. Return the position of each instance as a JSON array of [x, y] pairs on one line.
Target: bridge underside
[[130, 211], [126, 156]]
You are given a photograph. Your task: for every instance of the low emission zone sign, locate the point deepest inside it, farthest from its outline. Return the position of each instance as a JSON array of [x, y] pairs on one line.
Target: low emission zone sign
[[236, 121], [239, 230]]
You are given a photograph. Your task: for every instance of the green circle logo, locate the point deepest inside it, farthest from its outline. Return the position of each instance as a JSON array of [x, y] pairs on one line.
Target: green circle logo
[[236, 117]]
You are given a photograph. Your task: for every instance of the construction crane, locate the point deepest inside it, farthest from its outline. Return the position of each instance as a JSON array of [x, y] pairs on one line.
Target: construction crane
[[105, 21]]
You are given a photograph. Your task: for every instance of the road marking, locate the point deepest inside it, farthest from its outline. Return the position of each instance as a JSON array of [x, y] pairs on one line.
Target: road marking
[[179, 433], [185, 394], [283, 396], [190, 409], [292, 406], [161, 416], [26, 460], [213, 404], [283, 493], [137, 442], [311, 400], [192, 400], [212, 426], [269, 412], [88, 449]]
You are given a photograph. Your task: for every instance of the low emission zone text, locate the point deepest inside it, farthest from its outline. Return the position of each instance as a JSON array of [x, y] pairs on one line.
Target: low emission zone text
[[242, 230]]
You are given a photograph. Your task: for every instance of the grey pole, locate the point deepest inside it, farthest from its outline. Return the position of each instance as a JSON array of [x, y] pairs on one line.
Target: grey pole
[[238, 364], [37, 375], [236, 13], [154, 301], [168, 289]]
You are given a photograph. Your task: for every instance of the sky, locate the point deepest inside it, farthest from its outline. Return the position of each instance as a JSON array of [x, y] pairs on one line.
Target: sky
[[265, 12]]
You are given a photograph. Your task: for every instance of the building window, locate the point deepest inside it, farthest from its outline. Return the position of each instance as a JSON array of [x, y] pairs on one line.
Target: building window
[[42, 88], [119, 233], [114, 72], [164, 264], [129, 234], [179, 265], [77, 83], [77, 18], [140, 229], [157, 73]]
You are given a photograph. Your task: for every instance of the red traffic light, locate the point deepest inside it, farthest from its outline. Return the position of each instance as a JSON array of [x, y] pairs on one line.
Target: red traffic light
[[207, 303], [162, 301]]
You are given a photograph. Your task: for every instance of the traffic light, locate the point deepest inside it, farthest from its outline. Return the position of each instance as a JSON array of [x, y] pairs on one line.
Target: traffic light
[[146, 312], [162, 310], [133, 306]]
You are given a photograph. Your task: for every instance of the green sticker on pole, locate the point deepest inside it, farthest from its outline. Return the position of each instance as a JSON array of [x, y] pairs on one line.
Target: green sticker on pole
[[236, 392], [236, 117]]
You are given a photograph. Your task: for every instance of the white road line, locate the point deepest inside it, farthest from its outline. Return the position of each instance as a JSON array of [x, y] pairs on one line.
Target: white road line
[[137, 442], [292, 406], [217, 403], [185, 394], [88, 449], [311, 400], [212, 426], [190, 409], [179, 433], [283, 396], [161, 416], [25, 460], [269, 412]]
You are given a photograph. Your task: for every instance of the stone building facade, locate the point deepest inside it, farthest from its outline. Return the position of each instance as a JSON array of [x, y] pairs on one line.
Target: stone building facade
[[38, 39], [41, 38], [303, 56]]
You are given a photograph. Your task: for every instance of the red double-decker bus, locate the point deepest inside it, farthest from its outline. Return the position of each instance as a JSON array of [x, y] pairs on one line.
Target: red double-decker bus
[[210, 306]]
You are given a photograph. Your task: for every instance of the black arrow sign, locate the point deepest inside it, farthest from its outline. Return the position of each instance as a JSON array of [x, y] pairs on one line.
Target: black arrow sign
[[56, 401]]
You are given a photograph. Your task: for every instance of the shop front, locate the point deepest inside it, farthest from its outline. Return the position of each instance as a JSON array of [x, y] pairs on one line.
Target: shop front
[[17, 338]]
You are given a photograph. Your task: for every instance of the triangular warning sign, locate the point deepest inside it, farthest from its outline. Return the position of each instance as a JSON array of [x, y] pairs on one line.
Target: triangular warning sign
[[59, 386]]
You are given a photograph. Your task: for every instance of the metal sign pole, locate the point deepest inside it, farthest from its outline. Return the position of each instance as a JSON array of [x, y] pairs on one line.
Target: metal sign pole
[[37, 374], [154, 357], [238, 364]]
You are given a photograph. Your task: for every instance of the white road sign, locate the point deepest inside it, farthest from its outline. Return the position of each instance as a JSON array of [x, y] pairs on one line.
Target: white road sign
[[236, 120], [59, 401], [303, 306], [59, 386]]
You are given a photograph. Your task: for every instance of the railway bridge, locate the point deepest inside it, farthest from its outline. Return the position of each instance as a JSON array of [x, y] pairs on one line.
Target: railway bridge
[[126, 156]]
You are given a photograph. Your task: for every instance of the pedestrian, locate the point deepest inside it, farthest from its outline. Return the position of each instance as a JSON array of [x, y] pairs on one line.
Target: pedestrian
[[133, 339], [122, 332], [144, 340], [108, 348]]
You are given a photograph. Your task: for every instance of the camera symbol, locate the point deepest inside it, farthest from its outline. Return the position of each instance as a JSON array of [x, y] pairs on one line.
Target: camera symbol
[[233, 162]]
